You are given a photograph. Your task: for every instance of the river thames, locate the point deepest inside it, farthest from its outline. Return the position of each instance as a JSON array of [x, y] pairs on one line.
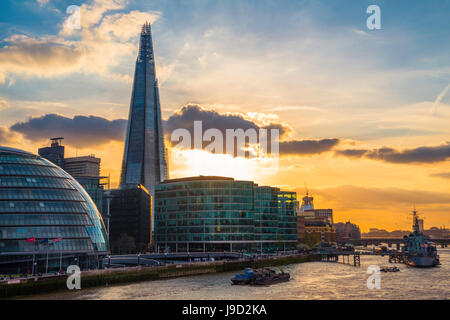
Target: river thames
[[312, 280]]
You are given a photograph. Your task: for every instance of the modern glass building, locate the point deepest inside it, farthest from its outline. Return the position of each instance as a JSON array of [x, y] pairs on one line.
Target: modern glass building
[[144, 160], [86, 169], [223, 214], [47, 220], [131, 220]]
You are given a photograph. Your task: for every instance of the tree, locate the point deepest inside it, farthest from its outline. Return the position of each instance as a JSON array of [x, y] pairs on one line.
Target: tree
[[312, 239], [302, 247]]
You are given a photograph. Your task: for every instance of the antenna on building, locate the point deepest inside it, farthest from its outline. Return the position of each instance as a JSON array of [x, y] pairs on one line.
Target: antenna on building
[[56, 141]]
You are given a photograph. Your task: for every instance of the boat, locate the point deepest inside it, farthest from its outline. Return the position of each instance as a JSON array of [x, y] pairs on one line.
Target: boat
[[268, 276], [244, 278], [418, 250], [265, 276], [389, 269]]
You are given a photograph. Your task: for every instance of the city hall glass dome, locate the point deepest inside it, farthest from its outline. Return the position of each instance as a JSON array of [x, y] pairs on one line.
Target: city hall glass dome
[[47, 220]]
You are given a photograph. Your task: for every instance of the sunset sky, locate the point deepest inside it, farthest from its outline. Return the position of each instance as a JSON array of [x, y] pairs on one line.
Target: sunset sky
[[364, 114]]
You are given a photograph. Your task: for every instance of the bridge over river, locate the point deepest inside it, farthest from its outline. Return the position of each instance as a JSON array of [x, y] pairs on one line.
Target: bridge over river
[[390, 241]]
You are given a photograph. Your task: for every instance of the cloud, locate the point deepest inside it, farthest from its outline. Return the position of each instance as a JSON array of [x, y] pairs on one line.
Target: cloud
[[416, 155], [351, 153], [4, 104], [439, 98], [365, 197], [104, 39], [79, 131], [42, 2], [307, 147], [185, 118], [388, 208], [443, 175], [35, 57], [6, 136]]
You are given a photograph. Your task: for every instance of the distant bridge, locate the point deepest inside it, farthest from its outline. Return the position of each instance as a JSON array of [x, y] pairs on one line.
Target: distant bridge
[[389, 241]]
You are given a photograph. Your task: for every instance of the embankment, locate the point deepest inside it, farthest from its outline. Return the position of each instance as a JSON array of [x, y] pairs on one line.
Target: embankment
[[136, 274]]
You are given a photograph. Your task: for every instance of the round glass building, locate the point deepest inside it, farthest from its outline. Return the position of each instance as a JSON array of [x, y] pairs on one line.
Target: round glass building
[[47, 220]]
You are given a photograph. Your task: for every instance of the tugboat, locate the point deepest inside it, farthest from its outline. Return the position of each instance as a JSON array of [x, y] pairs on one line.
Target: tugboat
[[264, 276], [244, 278], [268, 276], [418, 249]]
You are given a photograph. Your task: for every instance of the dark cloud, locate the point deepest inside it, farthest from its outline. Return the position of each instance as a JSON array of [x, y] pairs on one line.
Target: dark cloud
[[89, 131], [415, 155], [80, 131], [212, 119], [307, 147], [351, 153]]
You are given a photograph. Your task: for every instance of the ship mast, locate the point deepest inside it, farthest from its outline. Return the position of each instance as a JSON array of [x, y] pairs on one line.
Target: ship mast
[[415, 220]]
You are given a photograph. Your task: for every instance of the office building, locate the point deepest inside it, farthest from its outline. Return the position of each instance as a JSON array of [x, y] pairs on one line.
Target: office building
[[308, 211], [208, 213], [301, 228], [86, 166], [322, 231], [44, 212], [54, 153], [317, 223], [85, 169], [130, 219], [347, 231]]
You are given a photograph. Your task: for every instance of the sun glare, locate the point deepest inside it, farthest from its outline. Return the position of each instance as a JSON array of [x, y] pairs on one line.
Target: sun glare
[[199, 162]]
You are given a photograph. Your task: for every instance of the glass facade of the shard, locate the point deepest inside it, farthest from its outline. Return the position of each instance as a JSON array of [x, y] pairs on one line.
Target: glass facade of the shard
[[144, 160]]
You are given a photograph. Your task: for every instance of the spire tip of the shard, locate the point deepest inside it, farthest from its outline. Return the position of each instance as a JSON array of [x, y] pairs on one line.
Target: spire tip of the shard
[[146, 28]]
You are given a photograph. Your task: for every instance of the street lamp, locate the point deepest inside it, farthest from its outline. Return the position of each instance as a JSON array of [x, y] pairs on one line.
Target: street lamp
[[139, 256]]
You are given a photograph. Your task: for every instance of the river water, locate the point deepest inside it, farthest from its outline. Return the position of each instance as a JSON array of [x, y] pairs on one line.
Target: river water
[[312, 280]]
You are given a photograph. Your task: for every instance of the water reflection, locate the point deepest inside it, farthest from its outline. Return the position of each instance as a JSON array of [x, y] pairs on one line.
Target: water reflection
[[315, 280]]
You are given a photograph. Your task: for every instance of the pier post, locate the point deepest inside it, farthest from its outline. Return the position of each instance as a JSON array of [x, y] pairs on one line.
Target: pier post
[[357, 260]]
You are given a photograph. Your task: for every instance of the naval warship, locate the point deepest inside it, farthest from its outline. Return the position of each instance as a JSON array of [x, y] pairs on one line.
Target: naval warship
[[418, 249]]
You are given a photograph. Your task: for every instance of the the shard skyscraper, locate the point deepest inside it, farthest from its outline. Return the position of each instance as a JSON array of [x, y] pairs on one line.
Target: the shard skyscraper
[[144, 159]]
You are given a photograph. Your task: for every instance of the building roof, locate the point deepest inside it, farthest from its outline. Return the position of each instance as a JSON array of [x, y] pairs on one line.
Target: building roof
[[16, 151], [199, 178]]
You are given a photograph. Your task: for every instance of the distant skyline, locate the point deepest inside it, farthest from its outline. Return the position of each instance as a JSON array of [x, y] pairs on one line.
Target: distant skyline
[[363, 113]]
